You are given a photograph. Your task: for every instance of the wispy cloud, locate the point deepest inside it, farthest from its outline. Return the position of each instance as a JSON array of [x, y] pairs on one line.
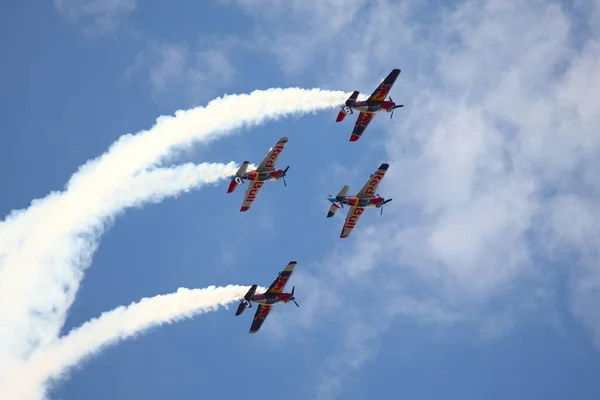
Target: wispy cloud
[[305, 31], [188, 73], [493, 161], [170, 67], [98, 16]]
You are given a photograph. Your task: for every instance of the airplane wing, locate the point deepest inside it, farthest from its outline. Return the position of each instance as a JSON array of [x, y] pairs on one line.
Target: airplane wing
[[259, 317], [279, 283], [361, 124], [251, 193], [384, 87], [271, 158], [351, 220], [371, 185]]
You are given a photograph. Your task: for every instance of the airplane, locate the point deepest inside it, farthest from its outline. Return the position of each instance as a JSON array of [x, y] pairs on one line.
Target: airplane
[[365, 198], [266, 171], [375, 103], [267, 300]]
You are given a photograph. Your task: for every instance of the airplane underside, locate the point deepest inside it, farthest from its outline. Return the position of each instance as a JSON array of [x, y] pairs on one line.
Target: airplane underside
[[261, 179], [368, 108], [266, 301], [364, 203], [240, 180]]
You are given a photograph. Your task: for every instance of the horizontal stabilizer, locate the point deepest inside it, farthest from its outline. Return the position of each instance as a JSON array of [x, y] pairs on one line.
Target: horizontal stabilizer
[[352, 99], [337, 205], [251, 292], [232, 185], [343, 192], [341, 116], [332, 210], [240, 309], [242, 170]]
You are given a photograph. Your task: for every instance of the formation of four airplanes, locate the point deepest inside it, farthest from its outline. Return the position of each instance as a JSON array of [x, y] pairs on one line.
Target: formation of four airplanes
[[366, 197]]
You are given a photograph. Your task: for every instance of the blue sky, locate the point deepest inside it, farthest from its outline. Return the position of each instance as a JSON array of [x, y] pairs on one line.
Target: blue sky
[[480, 280]]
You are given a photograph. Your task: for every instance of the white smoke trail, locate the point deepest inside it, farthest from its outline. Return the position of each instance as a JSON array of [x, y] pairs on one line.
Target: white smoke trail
[[43, 258], [146, 186], [27, 381], [154, 185]]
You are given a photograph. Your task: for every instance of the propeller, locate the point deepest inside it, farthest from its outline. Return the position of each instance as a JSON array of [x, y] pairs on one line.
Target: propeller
[[384, 203], [283, 175], [292, 298], [394, 107]]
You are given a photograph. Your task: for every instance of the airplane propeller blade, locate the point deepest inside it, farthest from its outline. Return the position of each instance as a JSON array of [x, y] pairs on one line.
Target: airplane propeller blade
[[292, 298], [394, 107], [383, 204], [284, 174]]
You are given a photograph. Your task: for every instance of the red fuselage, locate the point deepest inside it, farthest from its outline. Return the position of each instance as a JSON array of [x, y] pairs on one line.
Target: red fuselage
[[362, 201], [263, 176]]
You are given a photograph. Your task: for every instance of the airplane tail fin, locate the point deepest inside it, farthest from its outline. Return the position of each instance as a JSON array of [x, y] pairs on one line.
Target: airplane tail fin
[[347, 108], [237, 179], [336, 202], [246, 301]]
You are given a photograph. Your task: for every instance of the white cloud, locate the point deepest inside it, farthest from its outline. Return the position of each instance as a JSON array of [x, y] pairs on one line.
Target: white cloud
[[191, 74], [493, 161], [104, 15], [171, 66], [305, 29]]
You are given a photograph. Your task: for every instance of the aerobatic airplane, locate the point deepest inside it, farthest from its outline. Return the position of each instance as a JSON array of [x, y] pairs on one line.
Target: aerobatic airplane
[[375, 103], [267, 300], [266, 171], [365, 198]]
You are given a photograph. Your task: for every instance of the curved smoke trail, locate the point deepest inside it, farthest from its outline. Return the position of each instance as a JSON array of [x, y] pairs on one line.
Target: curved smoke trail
[[42, 268], [27, 381]]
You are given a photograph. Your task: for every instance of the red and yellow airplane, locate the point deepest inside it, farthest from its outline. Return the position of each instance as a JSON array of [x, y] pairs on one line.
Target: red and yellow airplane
[[267, 300], [266, 171], [375, 103], [365, 198]]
